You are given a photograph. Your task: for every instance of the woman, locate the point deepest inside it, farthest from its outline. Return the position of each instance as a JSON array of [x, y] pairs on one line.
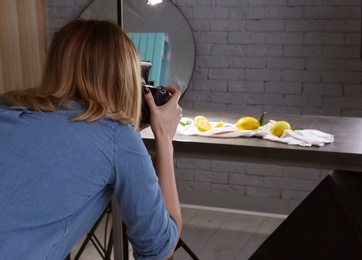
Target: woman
[[70, 145]]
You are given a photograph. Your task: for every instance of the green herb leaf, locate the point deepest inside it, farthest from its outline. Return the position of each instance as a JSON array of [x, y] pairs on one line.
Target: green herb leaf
[[261, 119]]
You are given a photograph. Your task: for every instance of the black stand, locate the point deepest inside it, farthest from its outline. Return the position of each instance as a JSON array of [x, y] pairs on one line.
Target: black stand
[[326, 225], [105, 250]]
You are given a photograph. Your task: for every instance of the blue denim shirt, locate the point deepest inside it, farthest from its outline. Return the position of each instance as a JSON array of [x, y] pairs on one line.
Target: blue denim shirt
[[57, 177]]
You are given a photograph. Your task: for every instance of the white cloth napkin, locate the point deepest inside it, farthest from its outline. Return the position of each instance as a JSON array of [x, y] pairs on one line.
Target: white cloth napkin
[[304, 137]]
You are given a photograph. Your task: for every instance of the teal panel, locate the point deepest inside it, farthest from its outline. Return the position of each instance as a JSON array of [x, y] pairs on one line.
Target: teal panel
[[150, 47]]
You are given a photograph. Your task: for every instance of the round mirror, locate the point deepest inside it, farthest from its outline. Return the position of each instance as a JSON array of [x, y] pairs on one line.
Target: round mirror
[[165, 19]]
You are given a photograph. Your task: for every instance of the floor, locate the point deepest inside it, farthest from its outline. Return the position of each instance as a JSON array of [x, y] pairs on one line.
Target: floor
[[210, 234]]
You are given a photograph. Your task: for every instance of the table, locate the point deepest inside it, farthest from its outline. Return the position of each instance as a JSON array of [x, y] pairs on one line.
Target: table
[[345, 153]]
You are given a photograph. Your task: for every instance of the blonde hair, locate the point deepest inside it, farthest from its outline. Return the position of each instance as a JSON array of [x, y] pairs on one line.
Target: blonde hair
[[91, 62]]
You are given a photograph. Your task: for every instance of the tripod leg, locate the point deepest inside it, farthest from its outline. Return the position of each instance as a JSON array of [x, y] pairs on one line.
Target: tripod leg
[[181, 243]]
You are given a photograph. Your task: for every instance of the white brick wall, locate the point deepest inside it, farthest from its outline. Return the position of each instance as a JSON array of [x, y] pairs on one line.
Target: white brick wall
[[279, 56], [299, 43]]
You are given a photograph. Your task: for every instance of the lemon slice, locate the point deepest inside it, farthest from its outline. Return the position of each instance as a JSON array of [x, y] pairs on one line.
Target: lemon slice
[[247, 123], [220, 124], [202, 123], [279, 127]]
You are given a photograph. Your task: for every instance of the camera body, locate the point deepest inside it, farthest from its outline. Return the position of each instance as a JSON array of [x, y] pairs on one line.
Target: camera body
[[159, 93]]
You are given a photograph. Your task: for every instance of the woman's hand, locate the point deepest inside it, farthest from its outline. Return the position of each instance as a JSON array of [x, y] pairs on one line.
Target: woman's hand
[[164, 119]]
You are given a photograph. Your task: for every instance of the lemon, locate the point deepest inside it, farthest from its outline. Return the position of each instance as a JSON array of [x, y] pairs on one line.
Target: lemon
[[202, 123], [220, 124], [279, 127], [247, 123]]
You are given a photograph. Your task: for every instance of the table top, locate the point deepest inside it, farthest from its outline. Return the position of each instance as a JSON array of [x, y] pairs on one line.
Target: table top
[[345, 153]]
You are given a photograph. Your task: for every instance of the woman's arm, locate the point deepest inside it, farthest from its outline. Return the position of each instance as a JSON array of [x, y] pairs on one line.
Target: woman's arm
[[164, 121]]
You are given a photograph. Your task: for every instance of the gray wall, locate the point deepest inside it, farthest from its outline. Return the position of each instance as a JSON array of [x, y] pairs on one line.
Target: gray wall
[[278, 56]]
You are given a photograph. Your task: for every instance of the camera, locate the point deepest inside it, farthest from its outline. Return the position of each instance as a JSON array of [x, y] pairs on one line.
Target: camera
[[159, 93]]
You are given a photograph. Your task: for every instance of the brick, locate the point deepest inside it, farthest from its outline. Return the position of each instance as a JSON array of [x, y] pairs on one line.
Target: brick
[[343, 26], [199, 25], [353, 90], [283, 87], [324, 64], [194, 164], [321, 111], [290, 184], [228, 167], [212, 177], [343, 102], [284, 38], [352, 13], [246, 13], [209, 106], [353, 64], [283, 110], [264, 50], [325, 12], [229, 74], [352, 39], [262, 192], [307, 2], [203, 49], [302, 51], [187, 175], [228, 189], [323, 89], [246, 37], [248, 62], [200, 73], [241, 179], [228, 98], [228, 50], [351, 113], [263, 170], [266, 99], [301, 76], [245, 109], [210, 12], [192, 3], [246, 86], [268, 3], [342, 77], [301, 173], [303, 101], [227, 25], [305, 25], [210, 37], [294, 195], [323, 38], [345, 2], [210, 85], [284, 13], [212, 61], [263, 74], [193, 186], [265, 25], [199, 96], [230, 3], [289, 63]]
